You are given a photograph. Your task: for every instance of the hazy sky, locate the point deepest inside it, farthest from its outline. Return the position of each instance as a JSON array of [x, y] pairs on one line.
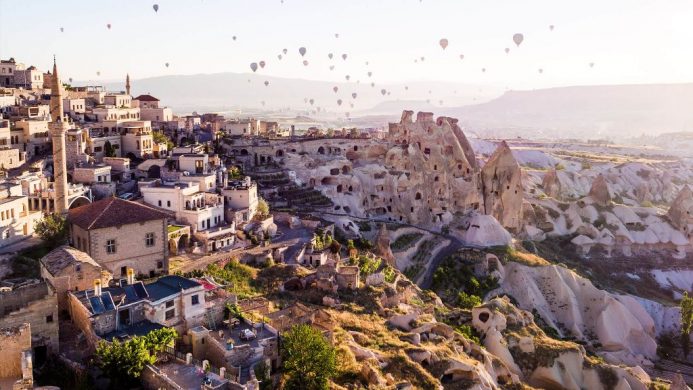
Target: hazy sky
[[629, 41]]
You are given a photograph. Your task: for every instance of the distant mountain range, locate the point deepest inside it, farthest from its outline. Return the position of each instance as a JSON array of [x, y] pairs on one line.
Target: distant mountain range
[[615, 111], [243, 91], [611, 111]]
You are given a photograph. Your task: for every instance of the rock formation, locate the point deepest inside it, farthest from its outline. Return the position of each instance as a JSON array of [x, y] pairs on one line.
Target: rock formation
[[502, 188], [681, 211], [382, 245], [551, 184], [511, 335], [600, 191]]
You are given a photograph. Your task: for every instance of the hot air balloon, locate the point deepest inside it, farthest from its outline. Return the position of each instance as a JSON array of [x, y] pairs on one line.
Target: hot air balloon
[[248, 80], [285, 51], [370, 74], [109, 26], [330, 55], [70, 79], [336, 35], [461, 56], [263, 103], [302, 51], [591, 64], [311, 101], [351, 105], [344, 56], [483, 70], [383, 92], [347, 77], [353, 95], [253, 66], [305, 62], [551, 27], [422, 59], [389, 93], [518, 38], [305, 100], [346, 114], [366, 63], [339, 102], [372, 85], [262, 64], [156, 7], [279, 56], [440, 102], [331, 67], [62, 29], [406, 88], [98, 73], [507, 50], [541, 70], [443, 43], [167, 64], [266, 83], [335, 89], [233, 37]]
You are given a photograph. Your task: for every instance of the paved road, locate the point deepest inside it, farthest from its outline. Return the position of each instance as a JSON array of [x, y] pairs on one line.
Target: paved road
[[455, 244]]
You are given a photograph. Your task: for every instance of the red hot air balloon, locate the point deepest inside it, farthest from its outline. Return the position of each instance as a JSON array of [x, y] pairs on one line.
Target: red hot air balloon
[[443, 43]]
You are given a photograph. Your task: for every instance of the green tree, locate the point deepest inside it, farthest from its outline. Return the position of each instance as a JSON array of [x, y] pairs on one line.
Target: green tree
[[686, 322], [52, 229], [108, 149], [160, 137], [123, 362], [309, 359], [159, 339], [263, 208], [235, 173]]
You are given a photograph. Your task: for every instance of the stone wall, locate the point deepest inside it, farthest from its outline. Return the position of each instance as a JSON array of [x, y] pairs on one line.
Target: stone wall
[[13, 342], [42, 314]]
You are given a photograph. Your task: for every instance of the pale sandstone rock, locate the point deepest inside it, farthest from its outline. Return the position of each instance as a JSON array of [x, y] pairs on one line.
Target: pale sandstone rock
[[502, 188]]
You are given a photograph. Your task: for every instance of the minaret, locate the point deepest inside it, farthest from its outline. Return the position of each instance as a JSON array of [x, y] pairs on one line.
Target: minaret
[[58, 127], [127, 84]]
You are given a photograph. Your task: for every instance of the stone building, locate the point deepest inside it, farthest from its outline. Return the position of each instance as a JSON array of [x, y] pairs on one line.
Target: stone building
[[118, 234], [134, 308], [501, 178], [69, 269], [35, 302], [16, 218]]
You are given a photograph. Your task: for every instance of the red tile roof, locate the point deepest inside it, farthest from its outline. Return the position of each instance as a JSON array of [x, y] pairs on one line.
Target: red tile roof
[[146, 98], [111, 212]]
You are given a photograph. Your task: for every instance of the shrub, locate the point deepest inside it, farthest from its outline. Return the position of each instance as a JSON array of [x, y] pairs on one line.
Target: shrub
[[467, 301]]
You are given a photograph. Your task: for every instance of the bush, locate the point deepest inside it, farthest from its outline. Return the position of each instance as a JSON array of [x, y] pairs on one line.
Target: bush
[[467, 301]]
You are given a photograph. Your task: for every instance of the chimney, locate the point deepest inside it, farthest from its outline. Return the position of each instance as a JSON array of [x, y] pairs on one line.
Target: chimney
[[131, 276], [97, 287]]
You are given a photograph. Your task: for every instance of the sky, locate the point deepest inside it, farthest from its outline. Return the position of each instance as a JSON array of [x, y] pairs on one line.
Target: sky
[[628, 41]]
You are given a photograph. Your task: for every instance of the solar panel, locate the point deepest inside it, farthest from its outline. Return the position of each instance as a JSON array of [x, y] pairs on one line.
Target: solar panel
[[107, 301], [130, 293], [140, 290], [96, 305]]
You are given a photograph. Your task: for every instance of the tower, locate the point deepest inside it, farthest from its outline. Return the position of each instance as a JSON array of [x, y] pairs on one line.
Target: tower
[[127, 84], [58, 127]]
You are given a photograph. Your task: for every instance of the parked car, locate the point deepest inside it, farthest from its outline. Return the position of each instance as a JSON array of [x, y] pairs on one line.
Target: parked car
[[127, 196], [247, 335]]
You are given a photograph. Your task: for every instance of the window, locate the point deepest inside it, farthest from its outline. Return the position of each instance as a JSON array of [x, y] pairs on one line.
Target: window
[[168, 203], [159, 264], [49, 318], [170, 314], [123, 271], [110, 246], [149, 238], [159, 203], [169, 304], [195, 300]]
